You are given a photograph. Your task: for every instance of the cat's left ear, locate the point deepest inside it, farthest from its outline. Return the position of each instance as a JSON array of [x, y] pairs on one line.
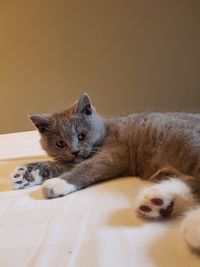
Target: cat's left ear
[[41, 122], [84, 105]]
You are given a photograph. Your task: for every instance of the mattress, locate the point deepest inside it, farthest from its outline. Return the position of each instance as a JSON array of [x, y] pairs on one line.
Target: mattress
[[94, 227]]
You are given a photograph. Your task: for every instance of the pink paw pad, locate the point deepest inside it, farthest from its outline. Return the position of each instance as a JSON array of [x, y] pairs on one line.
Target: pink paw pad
[[157, 201], [158, 207], [145, 208]]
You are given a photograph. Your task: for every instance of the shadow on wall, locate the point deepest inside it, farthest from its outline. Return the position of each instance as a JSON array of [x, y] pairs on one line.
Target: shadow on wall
[[127, 54]]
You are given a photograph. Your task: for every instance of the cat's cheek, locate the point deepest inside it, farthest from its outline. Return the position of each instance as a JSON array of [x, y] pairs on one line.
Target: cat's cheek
[[57, 187]]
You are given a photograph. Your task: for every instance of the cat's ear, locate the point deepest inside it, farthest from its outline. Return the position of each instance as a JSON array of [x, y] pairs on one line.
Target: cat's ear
[[41, 122], [84, 105]]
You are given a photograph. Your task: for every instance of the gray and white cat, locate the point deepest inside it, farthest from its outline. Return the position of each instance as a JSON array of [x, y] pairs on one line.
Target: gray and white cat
[[86, 149]]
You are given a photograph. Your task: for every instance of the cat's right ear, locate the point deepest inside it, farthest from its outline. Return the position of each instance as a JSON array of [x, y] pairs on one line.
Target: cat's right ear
[[84, 105], [41, 122]]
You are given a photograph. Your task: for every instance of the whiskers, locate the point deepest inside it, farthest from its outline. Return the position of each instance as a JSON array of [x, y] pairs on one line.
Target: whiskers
[[84, 154], [60, 160]]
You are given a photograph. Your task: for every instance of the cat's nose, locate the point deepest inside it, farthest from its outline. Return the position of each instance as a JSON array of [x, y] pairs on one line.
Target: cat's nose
[[75, 152]]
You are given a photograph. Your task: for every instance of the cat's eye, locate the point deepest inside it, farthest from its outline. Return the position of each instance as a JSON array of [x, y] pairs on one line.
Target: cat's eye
[[61, 144], [81, 136]]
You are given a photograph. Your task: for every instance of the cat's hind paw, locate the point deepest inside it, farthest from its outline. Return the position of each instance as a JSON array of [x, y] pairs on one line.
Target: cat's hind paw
[[23, 177], [164, 199], [190, 229], [152, 205], [57, 187]]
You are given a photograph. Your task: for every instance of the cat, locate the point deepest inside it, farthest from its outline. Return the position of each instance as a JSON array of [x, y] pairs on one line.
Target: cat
[[86, 149]]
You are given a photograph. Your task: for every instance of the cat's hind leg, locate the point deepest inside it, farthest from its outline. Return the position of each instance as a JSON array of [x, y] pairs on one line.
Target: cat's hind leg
[[190, 229], [164, 174], [164, 199]]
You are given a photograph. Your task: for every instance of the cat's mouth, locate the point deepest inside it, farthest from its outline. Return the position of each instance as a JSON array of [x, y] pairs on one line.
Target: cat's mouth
[[78, 160]]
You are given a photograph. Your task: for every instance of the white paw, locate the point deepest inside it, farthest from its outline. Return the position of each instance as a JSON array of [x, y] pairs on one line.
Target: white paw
[[56, 187], [22, 177], [164, 199], [190, 229]]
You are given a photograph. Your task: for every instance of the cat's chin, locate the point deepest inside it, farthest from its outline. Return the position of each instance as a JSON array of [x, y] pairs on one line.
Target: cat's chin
[[73, 160], [78, 160], [81, 158]]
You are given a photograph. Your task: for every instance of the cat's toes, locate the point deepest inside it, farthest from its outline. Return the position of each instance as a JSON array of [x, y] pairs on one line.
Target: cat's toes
[[151, 204], [190, 229], [162, 200], [23, 177], [57, 187]]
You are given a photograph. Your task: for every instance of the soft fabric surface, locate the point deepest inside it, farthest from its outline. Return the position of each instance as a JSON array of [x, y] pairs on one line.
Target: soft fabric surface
[[94, 227]]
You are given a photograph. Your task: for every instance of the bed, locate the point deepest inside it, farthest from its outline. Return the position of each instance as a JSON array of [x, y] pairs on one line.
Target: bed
[[94, 227]]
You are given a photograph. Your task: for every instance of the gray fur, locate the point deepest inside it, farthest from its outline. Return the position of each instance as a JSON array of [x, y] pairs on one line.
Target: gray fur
[[139, 144]]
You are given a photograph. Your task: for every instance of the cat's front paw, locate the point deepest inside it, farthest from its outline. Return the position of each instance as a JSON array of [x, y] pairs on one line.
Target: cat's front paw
[[57, 187], [24, 177], [164, 199]]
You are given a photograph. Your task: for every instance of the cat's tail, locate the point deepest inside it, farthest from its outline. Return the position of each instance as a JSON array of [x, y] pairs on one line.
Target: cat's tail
[[190, 229]]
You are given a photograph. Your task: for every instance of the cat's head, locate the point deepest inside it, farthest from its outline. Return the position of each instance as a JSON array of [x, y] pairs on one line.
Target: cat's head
[[71, 135]]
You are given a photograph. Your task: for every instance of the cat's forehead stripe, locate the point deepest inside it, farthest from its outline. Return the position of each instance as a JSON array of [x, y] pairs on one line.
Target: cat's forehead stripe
[[66, 127], [63, 124]]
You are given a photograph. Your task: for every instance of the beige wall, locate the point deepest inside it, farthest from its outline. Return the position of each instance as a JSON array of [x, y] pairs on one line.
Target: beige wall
[[127, 54]]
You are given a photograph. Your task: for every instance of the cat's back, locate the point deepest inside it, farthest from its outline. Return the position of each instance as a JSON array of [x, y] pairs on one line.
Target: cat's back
[[160, 118], [155, 125], [153, 138]]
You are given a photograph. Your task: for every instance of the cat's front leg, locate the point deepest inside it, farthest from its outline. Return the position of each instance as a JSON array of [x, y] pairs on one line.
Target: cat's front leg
[[109, 163], [31, 174], [58, 187]]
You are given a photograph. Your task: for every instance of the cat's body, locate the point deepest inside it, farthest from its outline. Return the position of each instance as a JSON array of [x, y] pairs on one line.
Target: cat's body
[[88, 149], [158, 140]]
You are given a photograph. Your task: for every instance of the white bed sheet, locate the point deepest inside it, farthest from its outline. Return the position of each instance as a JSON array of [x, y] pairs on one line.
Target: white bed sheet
[[95, 227]]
